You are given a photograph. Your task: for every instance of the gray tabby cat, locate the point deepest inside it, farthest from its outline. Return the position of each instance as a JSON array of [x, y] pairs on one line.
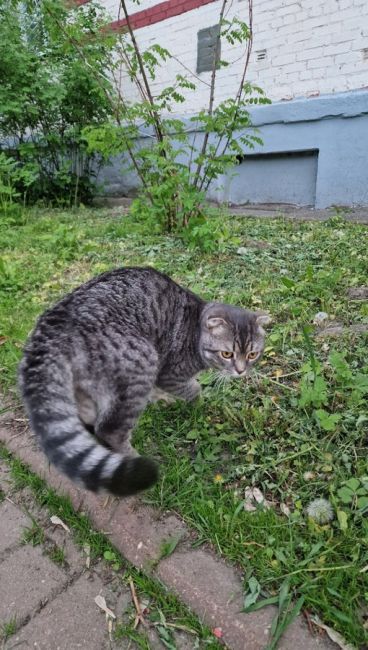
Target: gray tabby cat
[[94, 359]]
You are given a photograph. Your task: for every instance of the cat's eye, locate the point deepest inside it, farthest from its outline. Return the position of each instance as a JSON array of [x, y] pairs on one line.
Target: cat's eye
[[226, 355], [252, 355]]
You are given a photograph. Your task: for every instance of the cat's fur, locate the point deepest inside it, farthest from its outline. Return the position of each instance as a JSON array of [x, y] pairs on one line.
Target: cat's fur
[[93, 360]]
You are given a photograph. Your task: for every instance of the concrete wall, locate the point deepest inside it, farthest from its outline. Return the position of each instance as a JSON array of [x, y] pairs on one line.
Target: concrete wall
[[326, 140]]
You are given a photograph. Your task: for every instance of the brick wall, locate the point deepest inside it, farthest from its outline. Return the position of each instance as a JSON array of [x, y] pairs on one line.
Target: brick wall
[[312, 47]]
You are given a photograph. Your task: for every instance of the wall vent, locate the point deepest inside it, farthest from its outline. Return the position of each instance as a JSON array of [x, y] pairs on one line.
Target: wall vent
[[208, 42], [261, 55], [365, 53]]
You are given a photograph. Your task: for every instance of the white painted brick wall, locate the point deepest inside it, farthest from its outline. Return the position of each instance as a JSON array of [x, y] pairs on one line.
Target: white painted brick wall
[[313, 47]]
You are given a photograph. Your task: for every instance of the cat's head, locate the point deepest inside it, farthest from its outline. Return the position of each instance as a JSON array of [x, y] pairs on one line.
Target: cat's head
[[231, 339]]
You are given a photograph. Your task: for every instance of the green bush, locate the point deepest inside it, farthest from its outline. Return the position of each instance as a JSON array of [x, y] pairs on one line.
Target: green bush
[[52, 61]]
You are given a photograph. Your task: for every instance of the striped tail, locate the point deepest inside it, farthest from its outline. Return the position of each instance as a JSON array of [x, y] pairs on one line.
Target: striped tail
[[73, 449], [77, 454]]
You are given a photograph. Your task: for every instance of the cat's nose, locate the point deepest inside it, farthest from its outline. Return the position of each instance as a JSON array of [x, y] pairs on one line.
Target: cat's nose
[[239, 367]]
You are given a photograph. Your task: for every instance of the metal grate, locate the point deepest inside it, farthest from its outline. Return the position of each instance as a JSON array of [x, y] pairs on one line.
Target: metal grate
[[261, 55], [207, 41]]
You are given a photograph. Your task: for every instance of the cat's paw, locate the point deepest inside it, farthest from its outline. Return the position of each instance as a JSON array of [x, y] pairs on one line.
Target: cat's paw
[[158, 395]]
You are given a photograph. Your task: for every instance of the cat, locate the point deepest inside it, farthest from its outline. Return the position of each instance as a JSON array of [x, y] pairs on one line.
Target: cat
[[94, 359]]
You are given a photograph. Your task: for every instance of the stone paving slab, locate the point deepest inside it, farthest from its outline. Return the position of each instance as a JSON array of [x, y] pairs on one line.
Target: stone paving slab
[[211, 587], [27, 580], [12, 524], [4, 476], [75, 559], [70, 621]]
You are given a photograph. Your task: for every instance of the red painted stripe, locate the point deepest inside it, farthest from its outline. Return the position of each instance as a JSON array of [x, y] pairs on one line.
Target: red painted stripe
[[159, 12]]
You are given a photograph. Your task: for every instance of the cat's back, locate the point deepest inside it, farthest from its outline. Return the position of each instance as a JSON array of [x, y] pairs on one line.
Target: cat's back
[[125, 288], [130, 297]]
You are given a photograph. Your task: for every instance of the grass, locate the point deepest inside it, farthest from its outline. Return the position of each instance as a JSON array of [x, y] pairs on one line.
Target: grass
[[297, 432], [163, 606], [57, 555], [8, 629], [34, 535]]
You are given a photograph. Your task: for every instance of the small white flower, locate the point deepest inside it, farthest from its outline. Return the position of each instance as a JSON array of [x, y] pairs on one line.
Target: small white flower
[[321, 511]]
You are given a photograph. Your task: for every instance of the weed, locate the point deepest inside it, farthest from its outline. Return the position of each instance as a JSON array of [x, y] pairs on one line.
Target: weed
[[8, 629], [33, 535], [113, 558], [126, 632], [57, 555]]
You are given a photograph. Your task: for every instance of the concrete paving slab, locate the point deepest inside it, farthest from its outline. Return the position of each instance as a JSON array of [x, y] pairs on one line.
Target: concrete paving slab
[[12, 524], [27, 580], [214, 591], [206, 583], [69, 622], [4, 477]]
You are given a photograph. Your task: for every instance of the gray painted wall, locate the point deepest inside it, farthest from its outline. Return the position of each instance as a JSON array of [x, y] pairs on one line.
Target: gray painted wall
[[327, 137], [275, 178]]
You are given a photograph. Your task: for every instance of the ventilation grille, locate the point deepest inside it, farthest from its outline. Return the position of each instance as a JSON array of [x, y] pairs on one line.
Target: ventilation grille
[[208, 40], [365, 53], [261, 55]]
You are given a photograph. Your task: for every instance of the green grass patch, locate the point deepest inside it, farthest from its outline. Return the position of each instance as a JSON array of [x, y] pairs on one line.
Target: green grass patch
[[297, 432], [8, 629], [57, 555], [34, 535]]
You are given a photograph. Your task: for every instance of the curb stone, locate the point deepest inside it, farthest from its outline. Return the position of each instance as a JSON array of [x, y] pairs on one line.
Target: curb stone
[[207, 584]]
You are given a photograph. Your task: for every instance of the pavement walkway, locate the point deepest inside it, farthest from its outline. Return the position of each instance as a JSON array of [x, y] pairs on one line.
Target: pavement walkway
[[54, 605]]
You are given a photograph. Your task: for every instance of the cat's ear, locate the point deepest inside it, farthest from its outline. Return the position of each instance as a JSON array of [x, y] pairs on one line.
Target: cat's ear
[[217, 325], [263, 319]]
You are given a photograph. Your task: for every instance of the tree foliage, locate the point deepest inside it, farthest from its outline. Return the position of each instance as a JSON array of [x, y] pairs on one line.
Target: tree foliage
[[48, 94]]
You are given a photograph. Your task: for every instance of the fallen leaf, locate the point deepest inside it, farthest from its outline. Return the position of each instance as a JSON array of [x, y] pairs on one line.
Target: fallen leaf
[[254, 589], [58, 522], [217, 632], [87, 550], [3, 339], [336, 637], [252, 497], [101, 603], [285, 509], [109, 627]]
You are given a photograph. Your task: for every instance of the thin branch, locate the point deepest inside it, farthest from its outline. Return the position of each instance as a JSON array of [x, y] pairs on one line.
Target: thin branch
[[238, 97], [156, 117], [212, 95], [193, 74]]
